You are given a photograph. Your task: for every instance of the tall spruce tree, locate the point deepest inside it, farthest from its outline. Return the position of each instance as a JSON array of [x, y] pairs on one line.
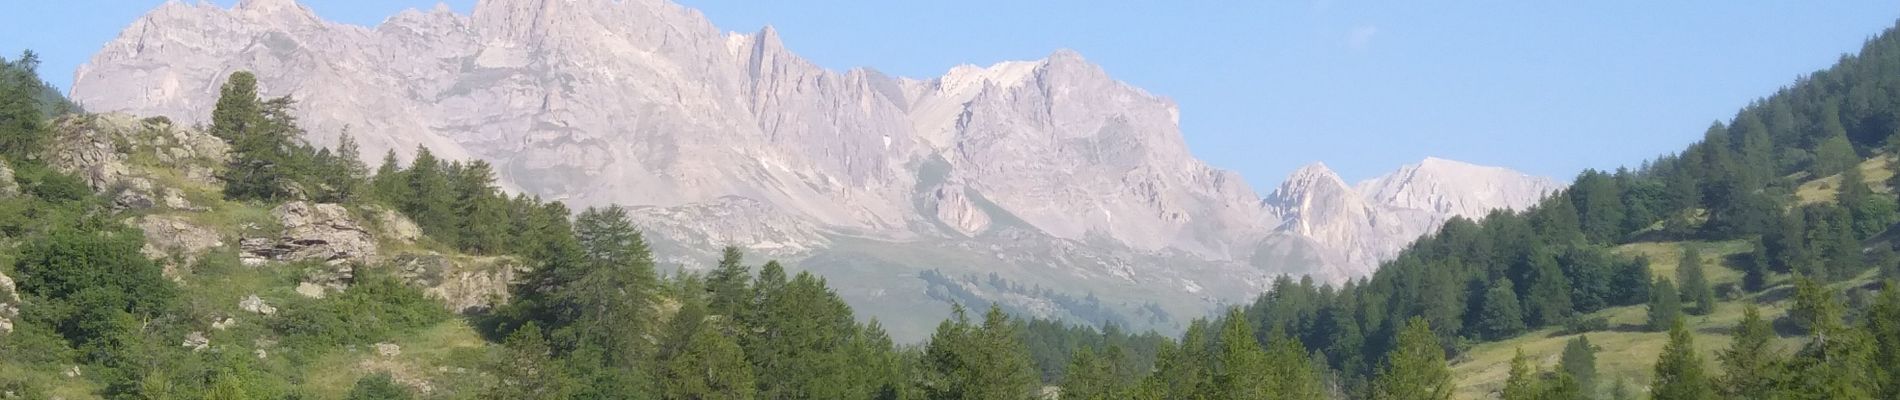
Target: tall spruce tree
[[1750, 367], [727, 284], [1499, 316], [1882, 322], [1694, 286], [1679, 374], [1522, 382], [1244, 372], [1415, 369], [1665, 306], [1836, 363], [1755, 271], [1579, 360], [22, 129]]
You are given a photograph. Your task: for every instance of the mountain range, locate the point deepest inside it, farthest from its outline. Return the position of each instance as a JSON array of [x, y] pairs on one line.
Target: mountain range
[[1045, 186]]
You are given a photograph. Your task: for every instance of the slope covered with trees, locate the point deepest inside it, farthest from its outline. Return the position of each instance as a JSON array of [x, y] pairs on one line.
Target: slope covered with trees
[[1759, 250]]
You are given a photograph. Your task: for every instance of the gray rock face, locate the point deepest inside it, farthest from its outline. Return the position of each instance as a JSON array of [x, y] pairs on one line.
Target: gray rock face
[[100, 148], [1355, 227], [8, 188], [168, 236], [1049, 172], [695, 116], [316, 232], [9, 304], [463, 285]]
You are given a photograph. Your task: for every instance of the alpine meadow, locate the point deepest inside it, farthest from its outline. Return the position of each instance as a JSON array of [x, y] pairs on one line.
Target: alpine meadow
[[613, 199]]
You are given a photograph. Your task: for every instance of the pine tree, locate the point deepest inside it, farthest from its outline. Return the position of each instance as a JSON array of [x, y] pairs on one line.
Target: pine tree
[[1679, 374], [261, 164], [482, 227], [1695, 288], [22, 128], [1522, 383], [978, 362], [1295, 377], [388, 184], [1882, 322], [1838, 361], [345, 173], [1499, 316], [1599, 206], [1181, 372], [1814, 305], [1750, 366], [709, 366], [237, 111], [1835, 234], [1755, 272], [1835, 153], [613, 297], [430, 200], [1580, 362], [1415, 369], [525, 368], [1665, 306], [727, 284], [1244, 365], [1087, 378], [1547, 300]]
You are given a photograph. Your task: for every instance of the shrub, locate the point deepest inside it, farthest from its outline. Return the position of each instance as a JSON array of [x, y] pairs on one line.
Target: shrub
[[376, 307], [1578, 325]]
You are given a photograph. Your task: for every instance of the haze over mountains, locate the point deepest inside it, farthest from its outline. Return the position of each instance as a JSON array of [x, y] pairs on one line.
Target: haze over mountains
[[1043, 185]]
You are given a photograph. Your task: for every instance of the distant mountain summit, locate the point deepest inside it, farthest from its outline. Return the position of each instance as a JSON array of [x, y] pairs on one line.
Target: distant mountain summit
[[1047, 179]]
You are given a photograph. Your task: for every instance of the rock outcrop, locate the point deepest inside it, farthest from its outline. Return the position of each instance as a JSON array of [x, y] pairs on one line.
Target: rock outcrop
[[115, 154], [462, 284], [325, 233], [8, 188], [170, 238], [256, 305], [9, 304]]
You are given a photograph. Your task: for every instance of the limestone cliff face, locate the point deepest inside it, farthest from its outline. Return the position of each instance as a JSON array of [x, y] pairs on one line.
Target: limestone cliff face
[[1355, 227], [645, 103], [1047, 172]]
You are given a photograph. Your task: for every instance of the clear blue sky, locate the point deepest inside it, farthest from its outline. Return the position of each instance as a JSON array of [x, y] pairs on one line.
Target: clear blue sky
[[1265, 86]]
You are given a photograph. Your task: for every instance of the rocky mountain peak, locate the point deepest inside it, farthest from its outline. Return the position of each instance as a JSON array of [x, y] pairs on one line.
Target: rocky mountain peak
[[1050, 167], [1456, 188]]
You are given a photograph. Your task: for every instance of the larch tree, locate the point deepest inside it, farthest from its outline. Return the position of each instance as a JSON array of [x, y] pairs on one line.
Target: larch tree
[[1665, 306], [1579, 360], [1415, 369], [1750, 366], [1694, 285]]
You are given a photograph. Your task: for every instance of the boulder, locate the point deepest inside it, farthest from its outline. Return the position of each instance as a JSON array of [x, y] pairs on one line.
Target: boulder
[[311, 290], [9, 300], [394, 226], [387, 349], [223, 323], [135, 193], [256, 305], [197, 341], [167, 236], [8, 188], [462, 284], [174, 199]]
